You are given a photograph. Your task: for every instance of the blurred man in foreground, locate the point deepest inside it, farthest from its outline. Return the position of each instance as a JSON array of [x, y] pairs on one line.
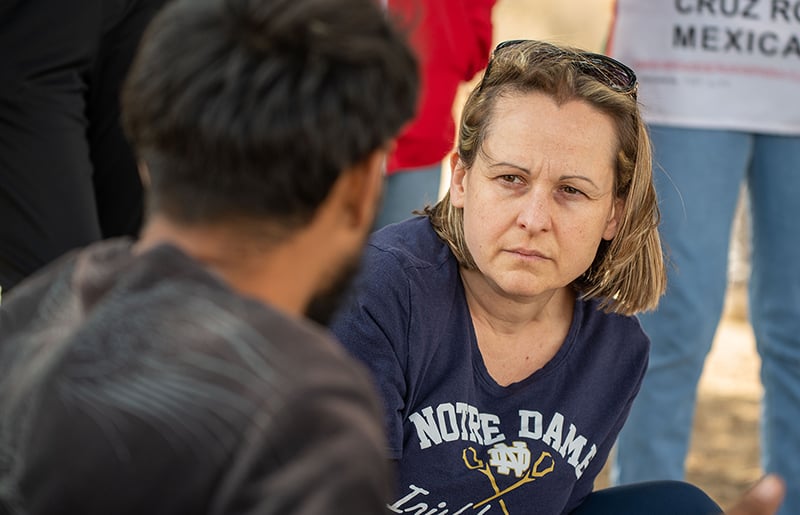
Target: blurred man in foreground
[[179, 374]]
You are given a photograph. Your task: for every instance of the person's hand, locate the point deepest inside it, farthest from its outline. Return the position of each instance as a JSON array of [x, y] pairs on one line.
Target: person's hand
[[764, 498]]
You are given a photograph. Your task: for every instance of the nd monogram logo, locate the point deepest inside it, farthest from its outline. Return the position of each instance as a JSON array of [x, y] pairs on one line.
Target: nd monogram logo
[[505, 459]]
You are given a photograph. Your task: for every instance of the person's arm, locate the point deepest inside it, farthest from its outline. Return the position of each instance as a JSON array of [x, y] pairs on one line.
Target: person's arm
[[630, 366]]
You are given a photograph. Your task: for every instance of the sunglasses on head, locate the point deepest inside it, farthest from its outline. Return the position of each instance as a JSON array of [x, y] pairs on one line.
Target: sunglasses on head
[[604, 69]]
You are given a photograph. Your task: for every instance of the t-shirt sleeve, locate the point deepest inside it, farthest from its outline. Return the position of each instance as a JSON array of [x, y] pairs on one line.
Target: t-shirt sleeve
[[322, 451], [373, 327]]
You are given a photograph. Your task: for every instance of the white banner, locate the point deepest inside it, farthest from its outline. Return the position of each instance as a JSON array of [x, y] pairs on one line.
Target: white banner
[[728, 64]]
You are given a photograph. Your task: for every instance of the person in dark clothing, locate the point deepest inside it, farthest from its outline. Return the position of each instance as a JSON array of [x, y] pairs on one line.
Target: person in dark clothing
[[181, 374], [67, 175]]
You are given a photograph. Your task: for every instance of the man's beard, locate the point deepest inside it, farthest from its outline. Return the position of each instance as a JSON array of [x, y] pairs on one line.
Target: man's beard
[[324, 304]]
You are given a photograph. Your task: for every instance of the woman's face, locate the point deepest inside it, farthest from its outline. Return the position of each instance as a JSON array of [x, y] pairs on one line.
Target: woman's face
[[540, 197]]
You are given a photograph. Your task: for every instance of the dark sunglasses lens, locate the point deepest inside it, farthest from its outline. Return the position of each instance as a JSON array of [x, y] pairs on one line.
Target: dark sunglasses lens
[[605, 69], [615, 79], [611, 72], [506, 44]]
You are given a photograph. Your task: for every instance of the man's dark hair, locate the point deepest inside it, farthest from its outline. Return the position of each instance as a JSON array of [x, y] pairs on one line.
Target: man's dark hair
[[252, 108]]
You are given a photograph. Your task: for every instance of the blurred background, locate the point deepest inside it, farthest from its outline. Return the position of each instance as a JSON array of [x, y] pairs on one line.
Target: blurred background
[[723, 459], [582, 23]]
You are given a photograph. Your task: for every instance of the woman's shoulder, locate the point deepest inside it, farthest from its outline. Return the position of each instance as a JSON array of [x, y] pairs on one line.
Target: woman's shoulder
[[410, 245], [592, 311], [406, 267], [613, 329], [608, 341]]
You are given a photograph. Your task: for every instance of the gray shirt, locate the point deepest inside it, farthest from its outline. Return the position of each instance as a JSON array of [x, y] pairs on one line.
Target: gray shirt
[[142, 384]]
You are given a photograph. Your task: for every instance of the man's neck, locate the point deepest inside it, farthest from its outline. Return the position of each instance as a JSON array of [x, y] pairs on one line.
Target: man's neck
[[265, 271]]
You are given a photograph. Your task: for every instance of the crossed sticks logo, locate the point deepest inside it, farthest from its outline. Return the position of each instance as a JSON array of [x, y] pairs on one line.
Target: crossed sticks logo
[[507, 460]]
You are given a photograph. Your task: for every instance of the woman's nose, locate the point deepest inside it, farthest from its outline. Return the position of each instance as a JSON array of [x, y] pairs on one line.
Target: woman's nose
[[535, 210]]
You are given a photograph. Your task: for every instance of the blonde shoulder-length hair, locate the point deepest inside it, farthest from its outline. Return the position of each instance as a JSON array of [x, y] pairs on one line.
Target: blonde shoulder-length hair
[[628, 273]]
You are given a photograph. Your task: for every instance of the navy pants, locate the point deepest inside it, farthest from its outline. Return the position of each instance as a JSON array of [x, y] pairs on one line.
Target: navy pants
[[649, 498]]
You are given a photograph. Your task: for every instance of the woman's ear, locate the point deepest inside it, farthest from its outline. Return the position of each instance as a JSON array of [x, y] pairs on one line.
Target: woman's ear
[[458, 175], [613, 222]]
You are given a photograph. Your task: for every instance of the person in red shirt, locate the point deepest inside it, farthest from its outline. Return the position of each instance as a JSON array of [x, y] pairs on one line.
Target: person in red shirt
[[453, 39]]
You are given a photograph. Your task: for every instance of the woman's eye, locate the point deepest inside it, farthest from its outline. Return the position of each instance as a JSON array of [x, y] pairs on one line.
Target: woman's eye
[[571, 191], [510, 178]]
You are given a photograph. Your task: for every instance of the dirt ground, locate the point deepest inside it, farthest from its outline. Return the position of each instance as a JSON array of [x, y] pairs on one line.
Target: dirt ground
[[723, 458]]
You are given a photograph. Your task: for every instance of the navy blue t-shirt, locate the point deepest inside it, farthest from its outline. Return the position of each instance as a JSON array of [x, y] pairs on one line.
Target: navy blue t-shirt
[[465, 444]]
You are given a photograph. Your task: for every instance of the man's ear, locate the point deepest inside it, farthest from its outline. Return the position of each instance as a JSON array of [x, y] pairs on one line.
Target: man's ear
[[144, 173], [363, 188], [458, 175], [612, 224]]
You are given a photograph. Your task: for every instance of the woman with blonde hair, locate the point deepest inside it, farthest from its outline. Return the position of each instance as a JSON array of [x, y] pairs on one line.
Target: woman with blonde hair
[[499, 326]]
